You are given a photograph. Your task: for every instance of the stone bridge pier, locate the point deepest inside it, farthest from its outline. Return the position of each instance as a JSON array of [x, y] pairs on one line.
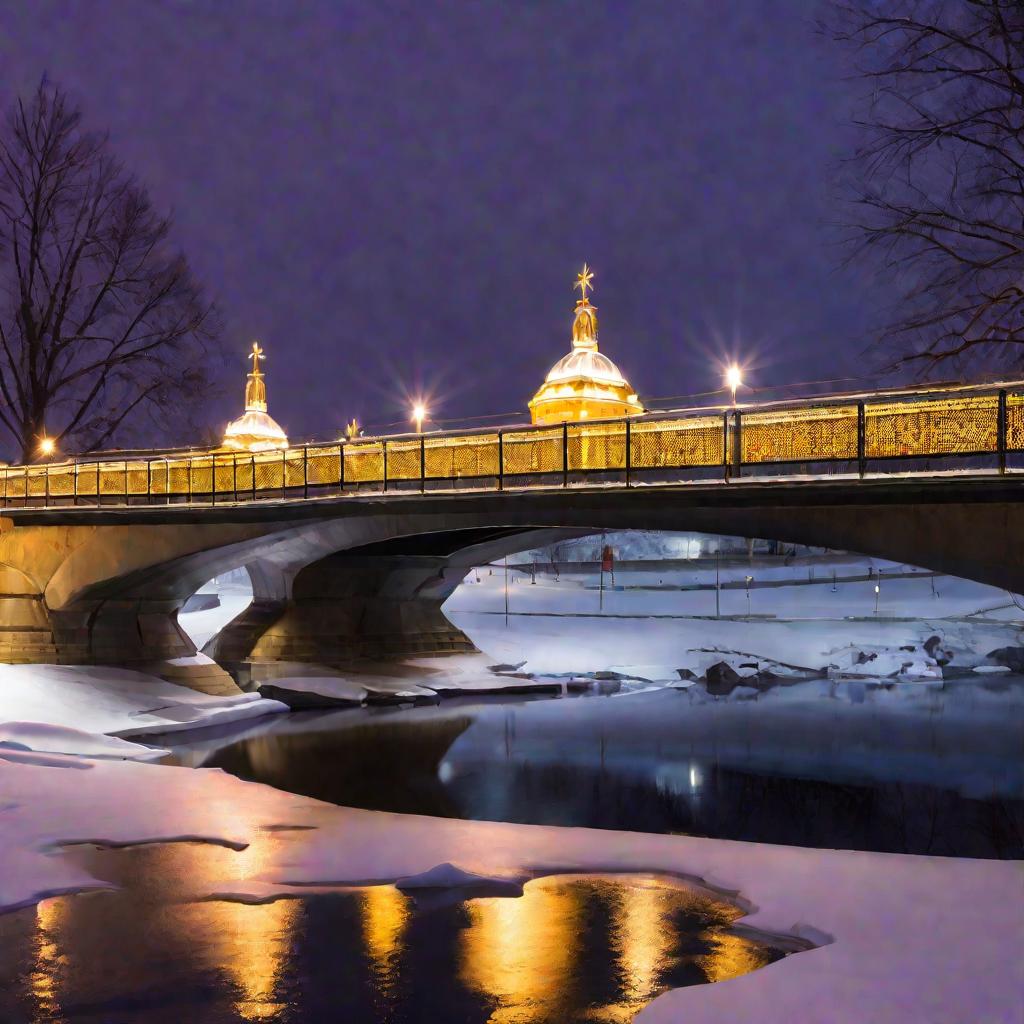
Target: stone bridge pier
[[374, 603]]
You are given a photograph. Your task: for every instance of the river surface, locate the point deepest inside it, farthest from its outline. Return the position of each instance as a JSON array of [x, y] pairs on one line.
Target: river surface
[[570, 949], [888, 767]]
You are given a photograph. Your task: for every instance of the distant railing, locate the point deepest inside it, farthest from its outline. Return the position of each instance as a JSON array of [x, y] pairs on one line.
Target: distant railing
[[954, 428]]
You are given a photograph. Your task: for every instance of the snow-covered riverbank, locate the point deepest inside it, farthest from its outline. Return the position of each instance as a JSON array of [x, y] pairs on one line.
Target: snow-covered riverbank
[[898, 938], [657, 624]]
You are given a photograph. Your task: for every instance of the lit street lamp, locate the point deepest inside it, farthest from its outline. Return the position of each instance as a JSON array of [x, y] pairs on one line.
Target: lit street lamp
[[733, 379], [419, 413], [47, 446]]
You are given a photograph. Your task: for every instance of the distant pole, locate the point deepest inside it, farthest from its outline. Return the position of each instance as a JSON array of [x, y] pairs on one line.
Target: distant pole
[[750, 579], [506, 591], [718, 583], [878, 590]]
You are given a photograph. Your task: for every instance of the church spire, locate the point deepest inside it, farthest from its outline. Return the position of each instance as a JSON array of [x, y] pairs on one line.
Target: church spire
[[255, 387]]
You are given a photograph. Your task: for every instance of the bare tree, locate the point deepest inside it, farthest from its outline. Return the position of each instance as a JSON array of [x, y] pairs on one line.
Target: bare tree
[[103, 329], [939, 178]]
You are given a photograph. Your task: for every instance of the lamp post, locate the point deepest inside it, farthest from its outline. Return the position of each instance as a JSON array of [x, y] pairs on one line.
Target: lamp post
[[733, 379], [419, 414]]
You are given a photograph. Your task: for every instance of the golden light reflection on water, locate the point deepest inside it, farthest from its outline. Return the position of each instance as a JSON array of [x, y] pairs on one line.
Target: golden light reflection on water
[[43, 978], [571, 948], [643, 939], [256, 949], [520, 952], [731, 956], [385, 914]]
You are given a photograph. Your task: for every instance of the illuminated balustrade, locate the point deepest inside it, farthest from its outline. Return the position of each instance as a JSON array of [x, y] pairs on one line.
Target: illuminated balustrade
[[871, 430]]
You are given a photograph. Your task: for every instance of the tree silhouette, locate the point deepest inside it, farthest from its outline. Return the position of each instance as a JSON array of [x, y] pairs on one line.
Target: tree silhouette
[[103, 328], [938, 180]]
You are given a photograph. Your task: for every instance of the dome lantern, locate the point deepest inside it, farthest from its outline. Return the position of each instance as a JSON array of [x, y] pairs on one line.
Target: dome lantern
[[255, 430], [585, 384]]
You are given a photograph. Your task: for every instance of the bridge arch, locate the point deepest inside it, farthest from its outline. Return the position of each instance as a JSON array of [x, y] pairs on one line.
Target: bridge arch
[[109, 583]]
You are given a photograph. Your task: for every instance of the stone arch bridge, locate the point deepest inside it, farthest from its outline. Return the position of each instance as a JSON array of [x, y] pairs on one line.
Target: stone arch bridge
[[350, 576]]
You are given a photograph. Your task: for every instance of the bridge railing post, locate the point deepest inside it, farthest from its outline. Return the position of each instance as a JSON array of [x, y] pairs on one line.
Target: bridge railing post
[[305, 471], [384, 483], [341, 465], [726, 459], [629, 450], [737, 443], [252, 460], [1001, 430], [862, 462], [565, 453], [126, 500], [501, 460], [423, 463], [234, 478]]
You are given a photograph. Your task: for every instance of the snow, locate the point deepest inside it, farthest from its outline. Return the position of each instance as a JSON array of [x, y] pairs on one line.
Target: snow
[[64, 712], [235, 596], [60, 739], [907, 938], [21, 756], [559, 626], [448, 876]]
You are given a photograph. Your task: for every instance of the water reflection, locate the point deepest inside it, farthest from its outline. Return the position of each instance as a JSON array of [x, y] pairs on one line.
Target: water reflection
[[47, 959], [520, 953], [901, 769], [385, 913], [571, 948]]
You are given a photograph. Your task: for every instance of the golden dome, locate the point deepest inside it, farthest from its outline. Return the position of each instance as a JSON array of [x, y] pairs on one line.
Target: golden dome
[[255, 430], [585, 384]]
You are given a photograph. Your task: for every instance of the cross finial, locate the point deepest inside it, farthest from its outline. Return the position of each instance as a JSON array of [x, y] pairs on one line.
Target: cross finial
[[583, 279], [256, 355]]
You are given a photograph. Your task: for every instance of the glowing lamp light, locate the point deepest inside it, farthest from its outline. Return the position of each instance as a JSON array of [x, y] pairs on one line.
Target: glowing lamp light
[[47, 446], [733, 379], [419, 414]]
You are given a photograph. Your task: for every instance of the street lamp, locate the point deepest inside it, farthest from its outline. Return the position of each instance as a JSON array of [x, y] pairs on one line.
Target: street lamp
[[419, 413], [47, 446], [733, 379]]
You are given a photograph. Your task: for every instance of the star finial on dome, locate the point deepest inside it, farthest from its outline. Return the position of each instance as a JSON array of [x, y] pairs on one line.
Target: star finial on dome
[[583, 279]]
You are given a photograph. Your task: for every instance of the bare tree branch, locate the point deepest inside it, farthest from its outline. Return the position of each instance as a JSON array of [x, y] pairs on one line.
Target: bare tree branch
[[102, 325], [938, 180]]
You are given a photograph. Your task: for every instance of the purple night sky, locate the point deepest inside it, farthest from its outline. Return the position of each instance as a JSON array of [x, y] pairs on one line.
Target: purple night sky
[[396, 197]]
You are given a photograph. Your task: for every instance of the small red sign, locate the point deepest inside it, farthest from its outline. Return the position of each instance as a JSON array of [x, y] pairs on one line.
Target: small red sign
[[607, 558]]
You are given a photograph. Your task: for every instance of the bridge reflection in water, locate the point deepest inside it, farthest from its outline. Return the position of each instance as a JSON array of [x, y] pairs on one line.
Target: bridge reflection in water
[[969, 425], [571, 948]]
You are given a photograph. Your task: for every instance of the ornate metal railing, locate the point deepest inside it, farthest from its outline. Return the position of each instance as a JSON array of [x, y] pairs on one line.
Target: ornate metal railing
[[954, 428]]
